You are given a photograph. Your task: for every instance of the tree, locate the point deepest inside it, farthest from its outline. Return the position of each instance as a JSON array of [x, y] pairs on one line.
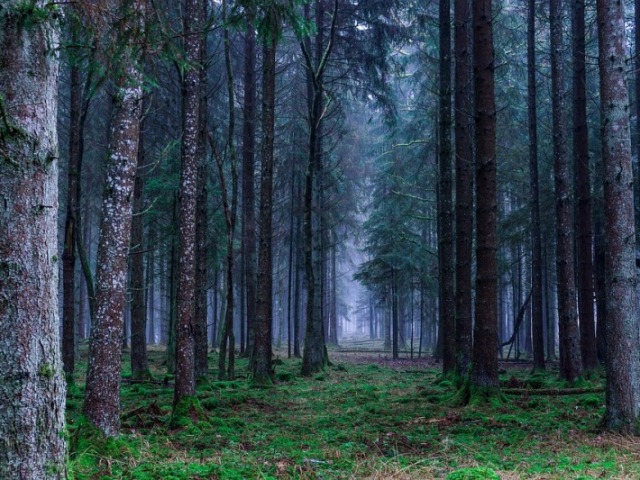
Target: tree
[[201, 341], [79, 97], [484, 373], [32, 390], [262, 370], [464, 185], [584, 241], [184, 391], [248, 175], [445, 221], [229, 204], [102, 398], [139, 363], [314, 355], [536, 237], [570, 359], [622, 334]]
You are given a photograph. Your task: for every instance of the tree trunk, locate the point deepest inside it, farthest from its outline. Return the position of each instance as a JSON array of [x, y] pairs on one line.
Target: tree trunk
[[32, 390], [314, 357], [484, 374], [536, 237], [229, 203], [102, 398], [139, 364], [248, 174], [584, 243], [262, 370], [570, 358], [185, 374], [623, 345], [201, 345], [445, 214], [464, 185]]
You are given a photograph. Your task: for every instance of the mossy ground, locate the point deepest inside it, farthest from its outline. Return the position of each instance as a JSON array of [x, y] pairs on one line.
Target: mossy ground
[[355, 420]]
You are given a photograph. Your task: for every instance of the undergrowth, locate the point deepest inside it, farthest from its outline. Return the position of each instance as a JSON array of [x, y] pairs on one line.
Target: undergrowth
[[352, 421]]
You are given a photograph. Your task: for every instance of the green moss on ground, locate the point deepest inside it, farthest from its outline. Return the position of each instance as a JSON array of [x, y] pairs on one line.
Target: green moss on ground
[[358, 421]]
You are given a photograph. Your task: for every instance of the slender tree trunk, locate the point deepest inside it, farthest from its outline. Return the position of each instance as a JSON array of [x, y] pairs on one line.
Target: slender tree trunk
[[201, 346], [229, 203], [298, 269], [445, 213], [394, 314], [601, 296], [584, 243], [570, 358], [69, 253], [248, 174], [464, 185], [314, 357], [139, 364], [102, 397], [32, 389], [290, 262], [484, 374], [185, 374], [536, 237], [262, 370], [622, 334], [172, 281]]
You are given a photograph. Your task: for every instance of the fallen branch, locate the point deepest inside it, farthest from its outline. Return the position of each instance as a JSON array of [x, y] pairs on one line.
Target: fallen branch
[[551, 391]]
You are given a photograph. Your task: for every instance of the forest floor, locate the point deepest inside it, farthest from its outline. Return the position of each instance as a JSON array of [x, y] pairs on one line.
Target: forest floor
[[366, 416]]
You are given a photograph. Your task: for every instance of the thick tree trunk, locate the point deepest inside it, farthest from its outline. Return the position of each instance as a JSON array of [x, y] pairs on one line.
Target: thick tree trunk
[[536, 237], [623, 345], [484, 374], [262, 370], [445, 201], [185, 373], [102, 398], [570, 358], [32, 390], [584, 243], [464, 185]]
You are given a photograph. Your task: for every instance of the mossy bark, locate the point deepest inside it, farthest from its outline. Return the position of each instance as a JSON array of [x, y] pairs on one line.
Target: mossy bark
[[32, 387]]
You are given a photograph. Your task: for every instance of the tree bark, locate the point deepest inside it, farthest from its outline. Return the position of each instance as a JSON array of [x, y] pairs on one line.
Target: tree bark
[[229, 203], [537, 317], [314, 356], [570, 358], [201, 344], [464, 185], [139, 364], [622, 334], [248, 177], [102, 398], [484, 374], [445, 214], [262, 370], [185, 373], [32, 390], [584, 243]]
